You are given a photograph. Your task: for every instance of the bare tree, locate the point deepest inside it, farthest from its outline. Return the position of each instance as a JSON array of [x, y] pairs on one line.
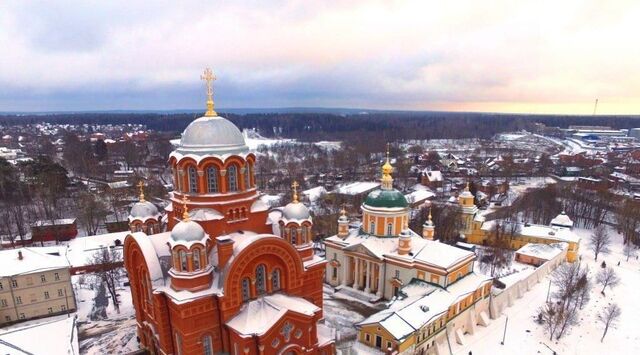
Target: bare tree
[[630, 250], [607, 277], [609, 316], [599, 241], [91, 212], [496, 255], [550, 315], [571, 281], [107, 262]]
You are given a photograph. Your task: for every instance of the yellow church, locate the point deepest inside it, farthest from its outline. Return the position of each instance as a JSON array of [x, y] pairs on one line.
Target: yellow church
[[478, 231]]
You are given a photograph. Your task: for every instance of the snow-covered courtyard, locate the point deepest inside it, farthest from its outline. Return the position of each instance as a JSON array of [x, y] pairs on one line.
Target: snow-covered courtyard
[[525, 336]]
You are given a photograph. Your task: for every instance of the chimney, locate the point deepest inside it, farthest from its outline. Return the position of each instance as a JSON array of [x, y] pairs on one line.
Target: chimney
[[224, 244], [20, 255]]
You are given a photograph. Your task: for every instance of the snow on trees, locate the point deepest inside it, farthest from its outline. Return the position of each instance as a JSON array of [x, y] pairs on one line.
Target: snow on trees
[[607, 277], [609, 316], [600, 241]]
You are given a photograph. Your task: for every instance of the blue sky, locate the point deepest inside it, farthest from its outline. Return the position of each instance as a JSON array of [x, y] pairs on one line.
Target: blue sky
[[505, 56]]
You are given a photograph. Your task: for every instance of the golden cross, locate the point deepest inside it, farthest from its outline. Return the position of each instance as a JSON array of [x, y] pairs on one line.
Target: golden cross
[[209, 77], [294, 186], [185, 213], [141, 187]]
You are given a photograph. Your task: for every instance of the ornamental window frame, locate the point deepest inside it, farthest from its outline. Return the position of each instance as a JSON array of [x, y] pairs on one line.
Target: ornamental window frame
[[232, 178], [192, 176], [245, 287], [261, 279], [276, 283], [212, 179], [195, 259]]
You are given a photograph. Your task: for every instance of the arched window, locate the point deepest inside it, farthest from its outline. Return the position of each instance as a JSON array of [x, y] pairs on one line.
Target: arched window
[[247, 177], [212, 179], [294, 235], [183, 260], [261, 285], [150, 229], [245, 289], [196, 259], [389, 229], [305, 234], [372, 227], [138, 228], [232, 176], [206, 345], [275, 280], [193, 179]]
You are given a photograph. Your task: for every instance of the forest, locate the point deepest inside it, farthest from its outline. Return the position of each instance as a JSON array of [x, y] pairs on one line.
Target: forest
[[389, 126]]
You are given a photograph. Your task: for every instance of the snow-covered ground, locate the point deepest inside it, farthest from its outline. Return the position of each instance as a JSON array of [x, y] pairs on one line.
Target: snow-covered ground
[[114, 335], [525, 336]]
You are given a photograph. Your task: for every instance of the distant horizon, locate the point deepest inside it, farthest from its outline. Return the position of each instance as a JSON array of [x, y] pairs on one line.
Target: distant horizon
[[298, 109]]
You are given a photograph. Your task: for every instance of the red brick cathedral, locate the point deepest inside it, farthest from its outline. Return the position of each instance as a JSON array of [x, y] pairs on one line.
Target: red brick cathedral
[[229, 275]]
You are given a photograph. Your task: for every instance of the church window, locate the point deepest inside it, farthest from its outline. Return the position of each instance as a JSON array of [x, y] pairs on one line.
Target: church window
[[245, 289], [150, 229], [206, 345], [196, 259], [389, 229], [247, 177], [193, 179], [305, 234], [294, 236], [212, 179], [275, 280], [183, 260], [232, 175], [372, 227], [286, 331], [261, 285]]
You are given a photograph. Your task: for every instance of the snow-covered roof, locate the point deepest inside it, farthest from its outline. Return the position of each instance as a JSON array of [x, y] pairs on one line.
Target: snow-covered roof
[[80, 250], [562, 220], [422, 250], [433, 175], [423, 303], [41, 336], [419, 195], [542, 251], [259, 315], [205, 214], [357, 188], [33, 260], [315, 193]]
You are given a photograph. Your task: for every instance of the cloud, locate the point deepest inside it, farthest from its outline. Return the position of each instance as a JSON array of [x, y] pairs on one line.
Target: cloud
[[463, 55]]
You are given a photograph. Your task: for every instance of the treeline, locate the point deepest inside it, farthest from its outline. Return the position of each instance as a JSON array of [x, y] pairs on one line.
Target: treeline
[[389, 126]]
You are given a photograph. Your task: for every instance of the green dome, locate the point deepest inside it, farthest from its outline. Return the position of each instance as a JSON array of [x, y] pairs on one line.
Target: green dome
[[386, 199]]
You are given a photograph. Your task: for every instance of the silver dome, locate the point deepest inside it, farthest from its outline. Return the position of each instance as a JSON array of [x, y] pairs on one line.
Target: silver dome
[[188, 231], [143, 210], [295, 210], [215, 135]]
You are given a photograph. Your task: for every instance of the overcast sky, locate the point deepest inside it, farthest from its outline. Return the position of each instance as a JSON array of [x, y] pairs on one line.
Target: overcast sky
[[505, 56]]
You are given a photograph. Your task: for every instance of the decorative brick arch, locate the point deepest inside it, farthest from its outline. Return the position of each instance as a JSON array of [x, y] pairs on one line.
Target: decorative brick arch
[[272, 251], [208, 161], [293, 348]]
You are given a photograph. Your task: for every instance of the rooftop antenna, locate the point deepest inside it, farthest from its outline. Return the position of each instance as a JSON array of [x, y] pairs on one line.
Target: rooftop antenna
[[595, 107]]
